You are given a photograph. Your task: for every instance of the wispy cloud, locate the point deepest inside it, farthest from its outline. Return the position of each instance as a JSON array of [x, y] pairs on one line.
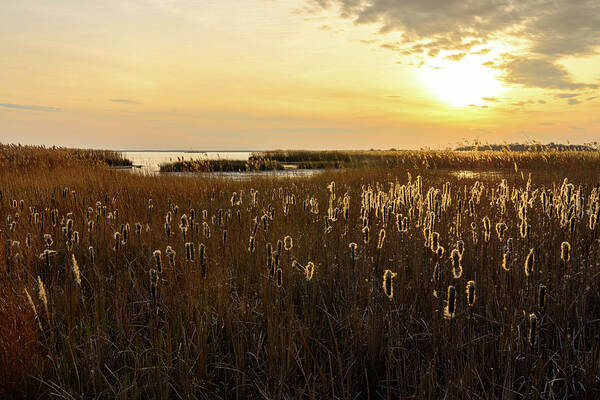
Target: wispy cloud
[[124, 101], [28, 107]]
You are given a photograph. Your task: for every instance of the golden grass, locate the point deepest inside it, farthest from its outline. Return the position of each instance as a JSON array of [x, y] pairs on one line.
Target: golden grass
[[234, 323]]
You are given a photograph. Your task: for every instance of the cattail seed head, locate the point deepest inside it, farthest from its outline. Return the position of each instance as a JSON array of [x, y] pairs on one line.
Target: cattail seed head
[[288, 243], [251, 245], [470, 291], [507, 260], [435, 241], [530, 262], [353, 254], [365, 232], [460, 246], [381, 238], [171, 256], [157, 260], [279, 275], [541, 298], [450, 309], [565, 251], [202, 253], [309, 270], [436, 272], [533, 321], [388, 288]]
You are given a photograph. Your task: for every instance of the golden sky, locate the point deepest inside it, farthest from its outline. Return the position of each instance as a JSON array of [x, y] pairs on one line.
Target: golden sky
[[263, 74]]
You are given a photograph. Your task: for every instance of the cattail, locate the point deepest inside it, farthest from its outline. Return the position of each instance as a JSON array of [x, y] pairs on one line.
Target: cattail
[[279, 246], [28, 240], [507, 260], [157, 260], [202, 254], [32, 304], [42, 296], [456, 263], [171, 256], [530, 262], [189, 251], [436, 273], [381, 238], [524, 229], [365, 232], [470, 291], [565, 251], [48, 240], [500, 230], [533, 320], [206, 229], [435, 241], [138, 229], [509, 244], [91, 254], [450, 309], [353, 254], [251, 246], [572, 224], [388, 288], [117, 238], [279, 274], [309, 270], [224, 237], [541, 300], [287, 242], [153, 275], [460, 246], [486, 228]]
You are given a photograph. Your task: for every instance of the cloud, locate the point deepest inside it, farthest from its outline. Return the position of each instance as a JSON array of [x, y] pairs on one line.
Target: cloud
[[539, 72], [567, 95], [28, 107], [576, 128], [549, 30], [573, 102], [491, 99], [124, 101]]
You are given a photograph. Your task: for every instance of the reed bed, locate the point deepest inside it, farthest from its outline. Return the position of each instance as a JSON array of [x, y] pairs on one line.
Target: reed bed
[[13, 157], [253, 164], [399, 282]]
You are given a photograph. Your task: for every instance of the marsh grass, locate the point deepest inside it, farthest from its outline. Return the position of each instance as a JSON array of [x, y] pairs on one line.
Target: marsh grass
[[233, 323]]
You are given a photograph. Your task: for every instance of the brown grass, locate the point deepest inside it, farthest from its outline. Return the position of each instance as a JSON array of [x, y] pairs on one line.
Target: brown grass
[[224, 329]]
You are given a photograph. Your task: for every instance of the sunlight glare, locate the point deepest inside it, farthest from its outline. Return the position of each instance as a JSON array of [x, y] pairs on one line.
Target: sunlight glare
[[462, 83]]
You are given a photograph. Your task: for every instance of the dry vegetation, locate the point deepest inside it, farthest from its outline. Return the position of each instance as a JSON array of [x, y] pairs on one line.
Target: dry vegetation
[[16, 157], [431, 159], [399, 282]]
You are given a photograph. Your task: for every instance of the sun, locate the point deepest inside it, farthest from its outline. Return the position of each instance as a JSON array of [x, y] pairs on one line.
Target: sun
[[462, 83]]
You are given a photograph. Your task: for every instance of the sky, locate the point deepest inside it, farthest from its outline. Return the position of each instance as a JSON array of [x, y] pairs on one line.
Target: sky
[[302, 74]]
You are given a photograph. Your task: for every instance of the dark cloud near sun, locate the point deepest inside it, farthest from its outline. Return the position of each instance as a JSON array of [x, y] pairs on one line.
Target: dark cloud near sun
[[552, 29], [539, 72]]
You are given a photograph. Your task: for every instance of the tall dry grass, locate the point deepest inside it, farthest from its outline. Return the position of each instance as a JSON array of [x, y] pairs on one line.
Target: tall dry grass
[[242, 319]]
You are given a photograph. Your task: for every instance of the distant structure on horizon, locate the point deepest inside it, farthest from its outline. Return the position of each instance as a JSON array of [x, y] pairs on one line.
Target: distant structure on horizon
[[529, 147]]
